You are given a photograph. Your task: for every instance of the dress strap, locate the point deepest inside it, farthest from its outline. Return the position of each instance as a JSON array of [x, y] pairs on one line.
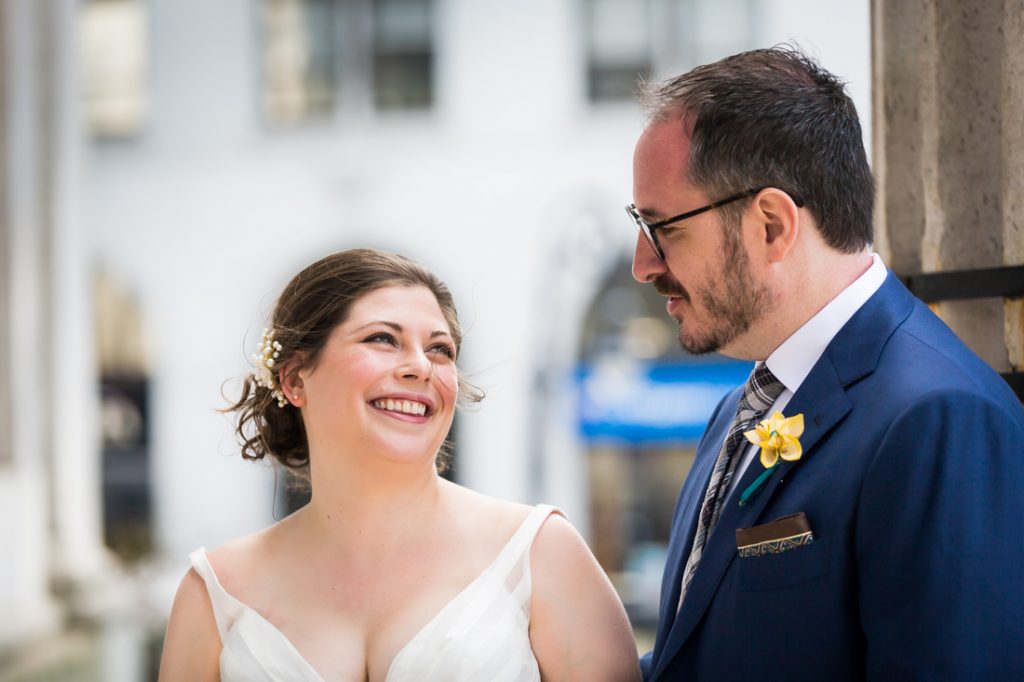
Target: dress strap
[[534, 520], [226, 609], [518, 547]]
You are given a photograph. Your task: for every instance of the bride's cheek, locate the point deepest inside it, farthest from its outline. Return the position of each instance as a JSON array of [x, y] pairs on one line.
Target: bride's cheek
[[448, 381]]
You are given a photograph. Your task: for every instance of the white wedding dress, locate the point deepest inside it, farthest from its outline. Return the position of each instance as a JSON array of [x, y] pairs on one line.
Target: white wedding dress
[[481, 634]]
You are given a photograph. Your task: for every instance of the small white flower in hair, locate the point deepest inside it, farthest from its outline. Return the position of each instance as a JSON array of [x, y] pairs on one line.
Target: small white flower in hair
[[264, 359]]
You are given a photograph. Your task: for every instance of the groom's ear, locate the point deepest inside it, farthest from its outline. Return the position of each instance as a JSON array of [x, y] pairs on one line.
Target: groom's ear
[[778, 222]]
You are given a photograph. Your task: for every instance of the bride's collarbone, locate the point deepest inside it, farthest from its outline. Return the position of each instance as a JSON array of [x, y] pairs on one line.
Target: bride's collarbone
[[367, 607], [357, 633]]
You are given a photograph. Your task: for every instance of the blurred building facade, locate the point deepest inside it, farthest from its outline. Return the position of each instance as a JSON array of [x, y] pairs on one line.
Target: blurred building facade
[[169, 165]]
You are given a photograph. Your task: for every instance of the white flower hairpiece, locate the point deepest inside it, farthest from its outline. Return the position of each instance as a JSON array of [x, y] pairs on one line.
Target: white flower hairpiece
[[264, 359]]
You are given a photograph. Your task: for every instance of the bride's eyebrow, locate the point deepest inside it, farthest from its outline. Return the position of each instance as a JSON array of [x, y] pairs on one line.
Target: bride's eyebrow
[[397, 327], [392, 325]]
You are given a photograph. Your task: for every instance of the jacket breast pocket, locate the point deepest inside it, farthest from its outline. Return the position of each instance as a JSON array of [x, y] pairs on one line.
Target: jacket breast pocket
[[778, 571]]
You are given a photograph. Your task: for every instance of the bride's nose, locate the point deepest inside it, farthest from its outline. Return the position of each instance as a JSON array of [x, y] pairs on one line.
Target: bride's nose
[[414, 365]]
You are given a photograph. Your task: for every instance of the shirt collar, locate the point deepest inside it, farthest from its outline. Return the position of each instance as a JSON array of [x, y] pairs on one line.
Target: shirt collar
[[792, 361]]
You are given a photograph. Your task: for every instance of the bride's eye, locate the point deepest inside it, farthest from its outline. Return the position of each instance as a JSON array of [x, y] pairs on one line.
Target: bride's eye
[[444, 349], [381, 337]]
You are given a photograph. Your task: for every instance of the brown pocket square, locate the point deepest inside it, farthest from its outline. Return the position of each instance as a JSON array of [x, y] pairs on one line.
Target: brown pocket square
[[776, 537]]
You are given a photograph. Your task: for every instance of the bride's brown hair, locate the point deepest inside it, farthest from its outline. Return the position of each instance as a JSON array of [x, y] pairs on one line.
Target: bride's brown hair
[[315, 301]]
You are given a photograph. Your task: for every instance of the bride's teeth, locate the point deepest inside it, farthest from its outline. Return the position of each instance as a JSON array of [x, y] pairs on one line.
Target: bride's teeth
[[406, 406]]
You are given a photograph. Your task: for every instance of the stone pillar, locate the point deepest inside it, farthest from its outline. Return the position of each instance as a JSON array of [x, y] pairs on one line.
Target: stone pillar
[[5, 308], [1012, 158], [949, 124], [79, 555], [50, 505], [26, 604]]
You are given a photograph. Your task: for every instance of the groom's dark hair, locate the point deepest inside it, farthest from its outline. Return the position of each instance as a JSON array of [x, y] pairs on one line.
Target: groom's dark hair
[[774, 118]]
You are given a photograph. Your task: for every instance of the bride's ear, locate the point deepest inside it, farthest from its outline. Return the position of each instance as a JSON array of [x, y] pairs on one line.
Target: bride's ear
[[291, 384]]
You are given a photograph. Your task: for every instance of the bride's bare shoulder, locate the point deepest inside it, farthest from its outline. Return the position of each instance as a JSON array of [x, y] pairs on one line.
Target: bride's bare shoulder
[[234, 563], [233, 557], [491, 514]]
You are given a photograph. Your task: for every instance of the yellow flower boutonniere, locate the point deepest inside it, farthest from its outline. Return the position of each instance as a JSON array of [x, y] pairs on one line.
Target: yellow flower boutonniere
[[778, 437]]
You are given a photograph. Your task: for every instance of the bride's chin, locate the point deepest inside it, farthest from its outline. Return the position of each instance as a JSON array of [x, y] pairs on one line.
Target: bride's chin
[[406, 453]]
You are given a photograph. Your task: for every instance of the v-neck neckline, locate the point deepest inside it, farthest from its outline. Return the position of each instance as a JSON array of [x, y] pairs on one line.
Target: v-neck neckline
[[201, 552]]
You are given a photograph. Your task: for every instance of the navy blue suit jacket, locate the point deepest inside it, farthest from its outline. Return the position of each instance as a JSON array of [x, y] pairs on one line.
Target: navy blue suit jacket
[[912, 479]]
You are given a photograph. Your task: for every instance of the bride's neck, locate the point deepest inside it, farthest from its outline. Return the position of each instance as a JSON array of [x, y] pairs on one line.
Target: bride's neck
[[367, 502]]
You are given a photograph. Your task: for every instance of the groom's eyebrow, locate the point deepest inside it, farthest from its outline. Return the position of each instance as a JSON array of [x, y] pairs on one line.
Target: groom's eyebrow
[[651, 214]]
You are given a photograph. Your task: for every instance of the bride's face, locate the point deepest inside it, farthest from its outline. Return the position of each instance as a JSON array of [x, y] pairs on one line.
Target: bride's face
[[385, 382]]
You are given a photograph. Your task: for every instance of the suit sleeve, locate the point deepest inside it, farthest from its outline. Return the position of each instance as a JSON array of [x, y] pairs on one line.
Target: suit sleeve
[[940, 543], [645, 665]]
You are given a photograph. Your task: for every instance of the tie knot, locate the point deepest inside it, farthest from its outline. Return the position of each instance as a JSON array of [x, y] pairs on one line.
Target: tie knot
[[761, 391]]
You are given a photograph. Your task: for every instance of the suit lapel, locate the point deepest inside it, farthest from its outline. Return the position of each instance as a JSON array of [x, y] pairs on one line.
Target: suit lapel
[[823, 401], [685, 520]]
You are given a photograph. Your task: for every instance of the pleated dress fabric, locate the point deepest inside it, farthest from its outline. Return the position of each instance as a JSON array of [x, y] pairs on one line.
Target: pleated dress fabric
[[481, 634]]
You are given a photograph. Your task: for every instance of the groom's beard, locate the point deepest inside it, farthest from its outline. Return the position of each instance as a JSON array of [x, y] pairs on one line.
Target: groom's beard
[[731, 300]]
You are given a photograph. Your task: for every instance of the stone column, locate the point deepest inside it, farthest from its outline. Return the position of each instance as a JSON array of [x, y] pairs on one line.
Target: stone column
[[79, 554], [949, 123], [5, 308], [27, 607], [50, 521], [1012, 158]]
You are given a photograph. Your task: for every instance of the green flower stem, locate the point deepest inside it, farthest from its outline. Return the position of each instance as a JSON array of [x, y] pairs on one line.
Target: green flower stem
[[758, 483]]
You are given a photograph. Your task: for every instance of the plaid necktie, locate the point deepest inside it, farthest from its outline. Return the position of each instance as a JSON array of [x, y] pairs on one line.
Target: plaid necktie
[[759, 394]]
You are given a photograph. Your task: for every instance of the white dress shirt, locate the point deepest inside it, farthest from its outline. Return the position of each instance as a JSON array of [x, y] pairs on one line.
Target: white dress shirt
[[793, 360]]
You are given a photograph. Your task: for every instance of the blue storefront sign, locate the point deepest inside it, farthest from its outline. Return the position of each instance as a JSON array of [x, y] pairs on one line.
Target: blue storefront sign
[[652, 403]]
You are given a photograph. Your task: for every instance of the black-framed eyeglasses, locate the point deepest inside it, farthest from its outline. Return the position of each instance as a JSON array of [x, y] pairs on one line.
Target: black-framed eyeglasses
[[648, 229]]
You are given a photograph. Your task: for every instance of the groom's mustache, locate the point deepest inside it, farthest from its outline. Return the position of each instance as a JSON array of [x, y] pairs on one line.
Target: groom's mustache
[[667, 285]]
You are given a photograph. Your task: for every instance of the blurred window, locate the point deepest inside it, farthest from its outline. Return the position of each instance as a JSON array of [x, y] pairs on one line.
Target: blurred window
[[114, 44], [124, 420], [300, 54], [126, 471], [632, 40], [325, 56], [619, 47], [403, 54]]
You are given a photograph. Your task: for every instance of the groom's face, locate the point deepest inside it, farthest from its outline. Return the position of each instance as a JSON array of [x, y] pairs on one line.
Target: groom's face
[[706, 274]]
